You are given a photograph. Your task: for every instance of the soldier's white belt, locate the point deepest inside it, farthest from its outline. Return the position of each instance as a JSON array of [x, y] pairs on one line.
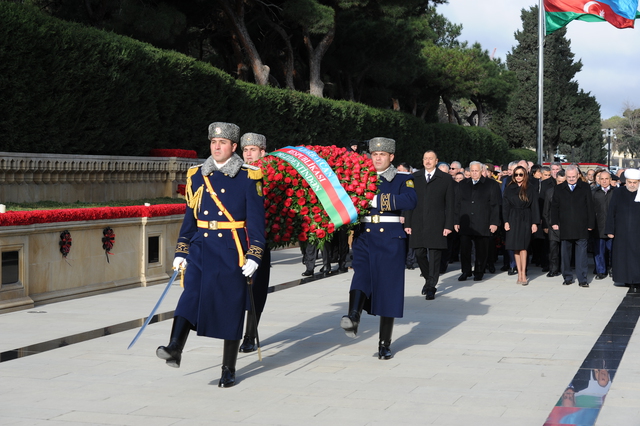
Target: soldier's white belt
[[215, 225], [380, 219]]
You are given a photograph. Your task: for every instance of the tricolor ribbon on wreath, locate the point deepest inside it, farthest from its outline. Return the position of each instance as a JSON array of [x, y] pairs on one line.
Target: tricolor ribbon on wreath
[[324, 182]]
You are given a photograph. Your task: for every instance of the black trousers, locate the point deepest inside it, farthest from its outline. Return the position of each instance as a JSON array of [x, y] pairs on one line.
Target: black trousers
[[482, 248], [429, 263], [581, 259], [554, 256]]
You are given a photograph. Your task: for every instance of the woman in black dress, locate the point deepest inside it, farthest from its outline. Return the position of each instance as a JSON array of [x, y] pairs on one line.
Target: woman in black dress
[[521, 215]]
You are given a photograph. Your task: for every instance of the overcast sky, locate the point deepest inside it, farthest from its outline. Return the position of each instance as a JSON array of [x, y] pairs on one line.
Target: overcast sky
[[610, 56]]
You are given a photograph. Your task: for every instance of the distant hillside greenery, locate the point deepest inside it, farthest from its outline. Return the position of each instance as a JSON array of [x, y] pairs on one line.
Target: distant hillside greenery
[[71, 89]]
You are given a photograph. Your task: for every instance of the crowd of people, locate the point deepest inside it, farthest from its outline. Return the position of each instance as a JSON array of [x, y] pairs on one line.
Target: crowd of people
[[548, 216], [434, 216]]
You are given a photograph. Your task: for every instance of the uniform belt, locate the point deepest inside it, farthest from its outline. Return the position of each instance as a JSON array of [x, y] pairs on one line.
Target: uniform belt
[[215, 225], [379, 219]]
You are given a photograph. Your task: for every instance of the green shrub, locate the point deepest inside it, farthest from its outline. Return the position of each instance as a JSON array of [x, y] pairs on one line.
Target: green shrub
[[77, 90]]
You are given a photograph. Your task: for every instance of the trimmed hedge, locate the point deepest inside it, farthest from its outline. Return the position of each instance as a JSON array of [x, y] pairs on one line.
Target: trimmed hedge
[[77, 90]]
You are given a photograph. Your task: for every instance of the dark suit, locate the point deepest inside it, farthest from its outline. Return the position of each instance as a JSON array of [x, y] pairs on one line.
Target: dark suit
[[553, 236], [573, 212], [602, 244], [477, 208], [432, 215]]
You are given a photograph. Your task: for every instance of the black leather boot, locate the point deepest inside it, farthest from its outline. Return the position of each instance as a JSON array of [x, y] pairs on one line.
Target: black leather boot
[[229, 358], [173, 351], [249, 341], [386, 328], [349, 323]]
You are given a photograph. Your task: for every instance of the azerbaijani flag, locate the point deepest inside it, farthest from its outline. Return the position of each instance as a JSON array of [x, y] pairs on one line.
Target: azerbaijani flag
[[619, 13]]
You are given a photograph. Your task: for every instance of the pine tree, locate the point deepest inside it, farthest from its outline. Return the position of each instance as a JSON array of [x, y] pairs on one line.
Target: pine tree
[[571, 116]]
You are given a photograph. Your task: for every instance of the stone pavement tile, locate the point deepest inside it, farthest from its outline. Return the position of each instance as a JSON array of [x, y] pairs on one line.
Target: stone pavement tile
[[113, 419]]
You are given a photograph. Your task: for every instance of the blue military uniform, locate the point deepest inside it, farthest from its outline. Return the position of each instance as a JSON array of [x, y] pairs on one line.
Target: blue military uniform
[[379, 249], [215, 290]]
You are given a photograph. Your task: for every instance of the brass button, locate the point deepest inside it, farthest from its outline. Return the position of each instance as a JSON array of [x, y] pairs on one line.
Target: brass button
[[206, 234], [220, 234], [368, 230], [219, 213], [381, 229], [206, 212], [222, 190]]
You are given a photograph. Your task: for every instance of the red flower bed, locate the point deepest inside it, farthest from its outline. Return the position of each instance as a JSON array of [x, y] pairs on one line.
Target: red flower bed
[[293, 212], [181, 153], [16, 218]]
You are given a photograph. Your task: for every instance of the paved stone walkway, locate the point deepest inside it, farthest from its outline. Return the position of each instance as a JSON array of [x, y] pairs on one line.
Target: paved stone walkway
[[482, 353]]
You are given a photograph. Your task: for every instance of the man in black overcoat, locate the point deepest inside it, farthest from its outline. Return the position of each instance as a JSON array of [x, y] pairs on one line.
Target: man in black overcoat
[[602, 243], [623, 227], [476, 217], [431, 221], [572, 214]]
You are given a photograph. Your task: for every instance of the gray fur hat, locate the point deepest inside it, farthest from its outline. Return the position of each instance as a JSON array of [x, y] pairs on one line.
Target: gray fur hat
[[224, 130], [253, 139], [382, 144]]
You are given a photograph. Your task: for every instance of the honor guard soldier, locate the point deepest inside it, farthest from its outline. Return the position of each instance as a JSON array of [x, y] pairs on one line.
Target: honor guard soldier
[[379, 249], [254, 147], [222, 241]]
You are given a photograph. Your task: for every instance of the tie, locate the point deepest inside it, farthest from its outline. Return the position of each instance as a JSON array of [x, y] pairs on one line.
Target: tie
[[475, 181], [428, 177], [605, 189], [572, 186]]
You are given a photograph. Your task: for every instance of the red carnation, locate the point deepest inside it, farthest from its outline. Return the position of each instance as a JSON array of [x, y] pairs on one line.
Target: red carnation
[[316, 209], [301, 201], [304, 211], [300, 193], [288, 202], [302, 236], [320, 233]]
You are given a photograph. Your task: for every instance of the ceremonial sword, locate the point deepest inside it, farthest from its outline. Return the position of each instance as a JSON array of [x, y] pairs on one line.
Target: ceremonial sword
[[255, 315], [155, 308]]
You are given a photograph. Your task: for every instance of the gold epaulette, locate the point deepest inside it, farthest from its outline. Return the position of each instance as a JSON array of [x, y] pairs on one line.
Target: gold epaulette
[[192, 170], [193, 199], [254, 172]]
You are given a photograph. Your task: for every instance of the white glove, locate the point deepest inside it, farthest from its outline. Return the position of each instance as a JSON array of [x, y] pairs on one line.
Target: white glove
[[374, 202], [249, 268], [179, 262]]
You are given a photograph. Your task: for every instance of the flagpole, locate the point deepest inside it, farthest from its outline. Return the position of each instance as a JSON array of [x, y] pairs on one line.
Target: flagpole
[[541, 31]]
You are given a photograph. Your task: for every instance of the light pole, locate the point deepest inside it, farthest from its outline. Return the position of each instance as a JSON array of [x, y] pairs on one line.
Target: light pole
[[608, 133]]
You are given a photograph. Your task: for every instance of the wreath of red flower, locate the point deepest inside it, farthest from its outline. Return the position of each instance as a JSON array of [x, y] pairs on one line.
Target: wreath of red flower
[[293, 212], [65, 243], [108, 241]]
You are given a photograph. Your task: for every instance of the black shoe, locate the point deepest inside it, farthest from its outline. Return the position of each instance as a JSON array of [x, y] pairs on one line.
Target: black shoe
[[601, 276], [430, 295], [492, 269], [307, 273], [504, 268], [463, 277], [248, 344], [172, 353], [568, 282], [349, 323], [411, 268], [545, 269], [424, 290], [512, 271], [343, 268], [229, 358], [384, 351], [553, 274], [477, 278], [583, 284], [228, 377]]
